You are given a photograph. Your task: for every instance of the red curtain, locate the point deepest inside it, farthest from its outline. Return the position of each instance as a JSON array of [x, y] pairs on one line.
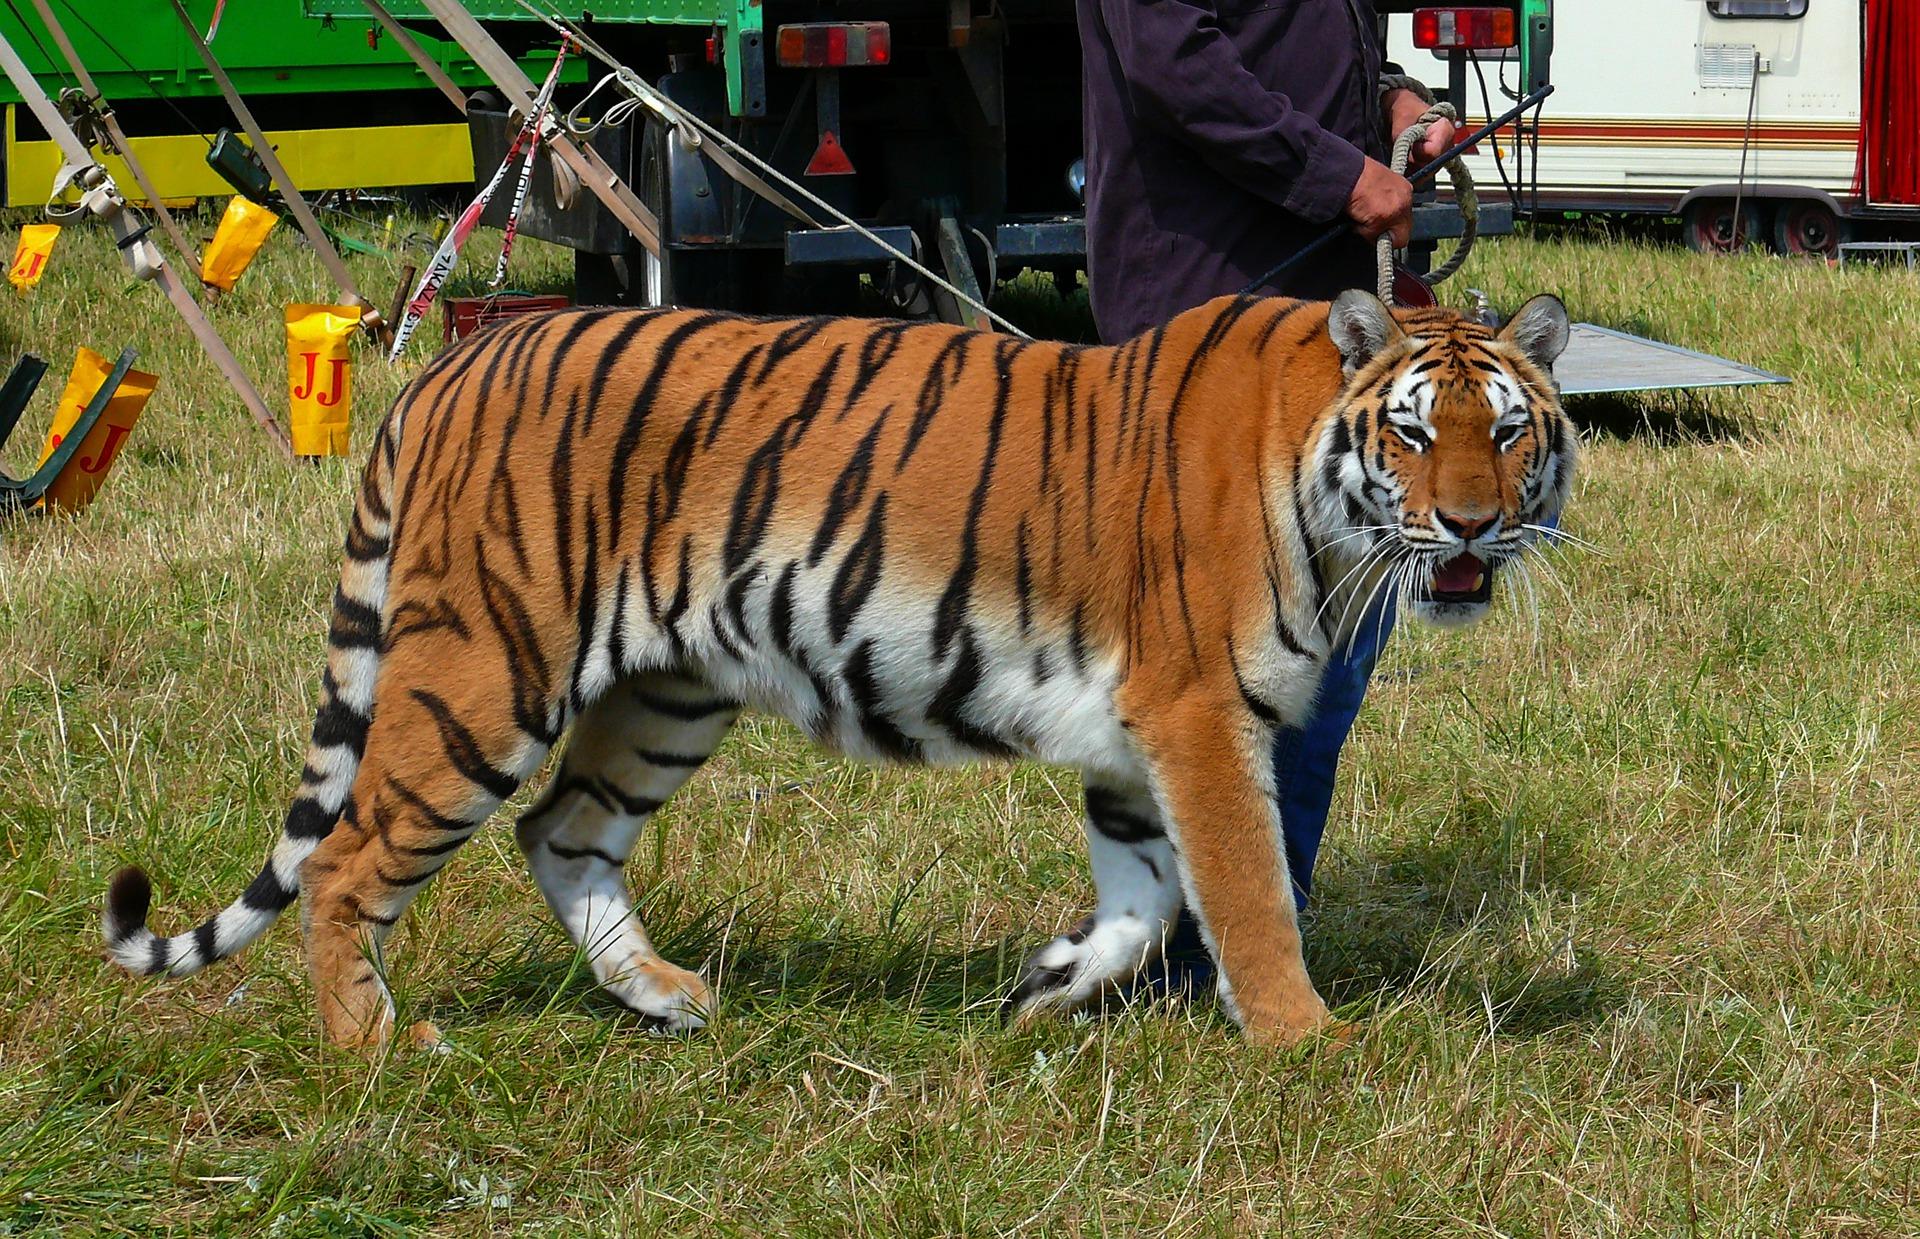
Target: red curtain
[[1889, 164]]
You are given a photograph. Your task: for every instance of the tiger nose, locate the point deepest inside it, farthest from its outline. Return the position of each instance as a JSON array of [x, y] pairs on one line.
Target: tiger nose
[[1465, 528]]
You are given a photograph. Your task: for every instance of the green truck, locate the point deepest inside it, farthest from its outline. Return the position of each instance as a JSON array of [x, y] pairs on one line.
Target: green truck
[[949, 128], [344, 106]]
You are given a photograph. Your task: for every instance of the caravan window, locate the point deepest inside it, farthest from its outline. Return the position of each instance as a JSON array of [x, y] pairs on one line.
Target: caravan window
[[1757, 8]]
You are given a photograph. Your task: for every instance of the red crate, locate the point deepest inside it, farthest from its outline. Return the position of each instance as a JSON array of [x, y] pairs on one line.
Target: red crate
[[466, 315]]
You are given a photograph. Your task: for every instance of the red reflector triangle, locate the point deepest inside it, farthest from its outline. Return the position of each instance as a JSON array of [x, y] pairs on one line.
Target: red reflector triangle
[[829, 158]]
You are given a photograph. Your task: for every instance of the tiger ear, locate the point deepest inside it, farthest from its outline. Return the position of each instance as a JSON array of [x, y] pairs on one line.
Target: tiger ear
[[1540, 330], [1361, 326]]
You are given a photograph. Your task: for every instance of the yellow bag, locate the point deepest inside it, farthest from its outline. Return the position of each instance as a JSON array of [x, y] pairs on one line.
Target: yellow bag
[[319, 376], [31, 255], [243, 230], [87, 468]]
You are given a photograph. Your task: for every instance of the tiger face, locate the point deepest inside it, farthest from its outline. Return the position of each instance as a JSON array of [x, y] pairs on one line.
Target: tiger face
[[1451, 453]]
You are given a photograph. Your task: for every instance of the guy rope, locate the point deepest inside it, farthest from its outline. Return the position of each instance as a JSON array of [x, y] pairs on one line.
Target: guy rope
[[101, 197]]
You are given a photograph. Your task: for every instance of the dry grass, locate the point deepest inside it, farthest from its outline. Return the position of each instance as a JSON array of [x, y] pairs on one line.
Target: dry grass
[[1627, 910]]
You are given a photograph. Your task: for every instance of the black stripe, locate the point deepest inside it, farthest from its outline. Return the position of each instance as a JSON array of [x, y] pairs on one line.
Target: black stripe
[[307, 818], [736, 604], [560, 479], [632, 806], [577, 326], [581, 853], [1110, 816], [1261, 710], [435, 818], [586, 606], [413, 618], [579, 785], [848, 490], [658, 367], [463, 750], [526, 664], [1023, 577], [882, 342], [879, 729], [363, 545], [662, 757], [609, 357], [354, 625], [952, 609], [401, 881], [617, 626], [933, 390], [730, 391], [437, 849], [265, 894], [949, 706], [780, 610], [204, 940], [336, 724], [859, 572]]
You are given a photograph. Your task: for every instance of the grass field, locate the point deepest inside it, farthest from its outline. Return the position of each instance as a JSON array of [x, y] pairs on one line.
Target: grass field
[[1627, 908]]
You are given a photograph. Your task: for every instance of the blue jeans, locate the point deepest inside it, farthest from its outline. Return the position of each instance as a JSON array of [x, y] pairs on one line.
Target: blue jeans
[[1306, 764]]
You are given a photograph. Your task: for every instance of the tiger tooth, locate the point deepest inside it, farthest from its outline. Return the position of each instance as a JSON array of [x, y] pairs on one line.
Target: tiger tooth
[[1479, 579]]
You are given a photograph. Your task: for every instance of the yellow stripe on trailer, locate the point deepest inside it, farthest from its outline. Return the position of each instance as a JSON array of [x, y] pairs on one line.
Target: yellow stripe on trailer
[[378, 156]]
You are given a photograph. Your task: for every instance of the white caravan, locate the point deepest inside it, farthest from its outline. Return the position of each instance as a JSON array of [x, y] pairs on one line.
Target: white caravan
[[1742, 116]]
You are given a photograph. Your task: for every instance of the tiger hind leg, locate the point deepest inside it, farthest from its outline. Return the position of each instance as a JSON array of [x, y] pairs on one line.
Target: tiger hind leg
[[435, 768], [628, 753], [1139, 900]]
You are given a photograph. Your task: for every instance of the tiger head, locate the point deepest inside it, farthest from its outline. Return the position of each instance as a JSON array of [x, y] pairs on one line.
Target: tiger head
[[1449, 452]]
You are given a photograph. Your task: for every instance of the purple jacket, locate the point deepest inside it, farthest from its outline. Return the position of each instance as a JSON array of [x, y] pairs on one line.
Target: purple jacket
[[1220, 136]]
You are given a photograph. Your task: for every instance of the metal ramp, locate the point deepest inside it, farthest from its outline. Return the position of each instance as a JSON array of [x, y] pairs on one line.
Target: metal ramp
[[1599, 360]]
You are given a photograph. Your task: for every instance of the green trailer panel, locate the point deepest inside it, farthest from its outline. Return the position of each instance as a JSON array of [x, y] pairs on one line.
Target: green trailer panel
[[269, 47], [736, 23]]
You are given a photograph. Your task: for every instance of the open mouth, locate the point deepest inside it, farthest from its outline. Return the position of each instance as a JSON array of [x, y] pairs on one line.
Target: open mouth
[[1464, 578]]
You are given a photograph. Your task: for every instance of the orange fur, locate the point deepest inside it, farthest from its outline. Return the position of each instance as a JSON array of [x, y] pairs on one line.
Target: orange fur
[[631, 522]]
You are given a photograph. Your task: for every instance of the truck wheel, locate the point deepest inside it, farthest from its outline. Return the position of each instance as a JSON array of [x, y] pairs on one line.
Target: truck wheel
[[678, 277], [1807, 226], [1713, 228]]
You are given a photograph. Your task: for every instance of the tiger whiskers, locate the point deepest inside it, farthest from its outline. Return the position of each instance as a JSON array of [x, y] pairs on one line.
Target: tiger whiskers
[[1395, 570], [1384, 553], [1561, 535], [1375, 553], [1352, 532]]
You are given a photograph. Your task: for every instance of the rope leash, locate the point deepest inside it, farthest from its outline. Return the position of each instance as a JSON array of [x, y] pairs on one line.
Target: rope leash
[[1463, 191]]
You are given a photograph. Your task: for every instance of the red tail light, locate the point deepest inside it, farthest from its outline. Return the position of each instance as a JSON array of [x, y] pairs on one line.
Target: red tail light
[[1477, 29], [834, 45]]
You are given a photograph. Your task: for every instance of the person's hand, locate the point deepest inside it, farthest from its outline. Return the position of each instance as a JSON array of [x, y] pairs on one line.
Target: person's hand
[[1404, 109], [1440, 135], [1382, 201]]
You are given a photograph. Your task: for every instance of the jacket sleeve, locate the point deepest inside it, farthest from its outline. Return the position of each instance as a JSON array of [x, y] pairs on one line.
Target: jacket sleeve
[[1185, 76]]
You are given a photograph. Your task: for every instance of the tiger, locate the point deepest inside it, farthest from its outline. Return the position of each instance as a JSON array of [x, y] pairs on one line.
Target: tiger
[[919, 543]]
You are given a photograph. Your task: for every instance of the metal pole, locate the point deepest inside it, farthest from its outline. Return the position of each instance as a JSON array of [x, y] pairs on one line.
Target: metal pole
[[129, 232], [411, 46], [290, 192], [593, 171], [118, 139]]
